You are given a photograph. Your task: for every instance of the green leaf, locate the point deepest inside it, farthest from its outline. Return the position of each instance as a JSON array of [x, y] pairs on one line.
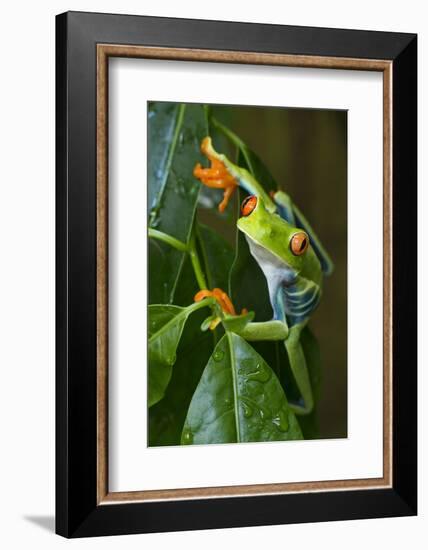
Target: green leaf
[[237, 323], [277, 357], [217, 256], [166, 418], [166, 324], [175, 132], [187, 285], [162, 123], [238, 399]]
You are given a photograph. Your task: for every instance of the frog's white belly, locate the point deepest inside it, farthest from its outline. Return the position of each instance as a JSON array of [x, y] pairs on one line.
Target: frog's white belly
[[277, 274], [293, 298]]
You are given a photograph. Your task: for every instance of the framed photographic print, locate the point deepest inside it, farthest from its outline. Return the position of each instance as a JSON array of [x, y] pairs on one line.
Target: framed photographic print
[[236, 274]]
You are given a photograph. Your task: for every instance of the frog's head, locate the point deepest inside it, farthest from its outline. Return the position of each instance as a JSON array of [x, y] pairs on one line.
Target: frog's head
[[273, 233]]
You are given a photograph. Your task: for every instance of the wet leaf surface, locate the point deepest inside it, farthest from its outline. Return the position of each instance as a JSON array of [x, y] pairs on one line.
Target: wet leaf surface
[[238, 399], [175, 133], [166, 418], [166, 325]]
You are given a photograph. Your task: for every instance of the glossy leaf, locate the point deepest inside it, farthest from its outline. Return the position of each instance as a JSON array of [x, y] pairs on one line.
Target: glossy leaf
[[166, 418], [175, 133], [166, 325], [237, 323], [238, 399], [217, 257], [278, 359], [187, 286]]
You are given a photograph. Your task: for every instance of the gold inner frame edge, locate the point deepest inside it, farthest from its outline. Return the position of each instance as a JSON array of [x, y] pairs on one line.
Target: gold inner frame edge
[[104, 51]]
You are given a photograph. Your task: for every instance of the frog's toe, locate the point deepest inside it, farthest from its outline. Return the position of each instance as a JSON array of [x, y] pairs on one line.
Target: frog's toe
[[217, 175], [206, 174], [221, 298], [228, 192]]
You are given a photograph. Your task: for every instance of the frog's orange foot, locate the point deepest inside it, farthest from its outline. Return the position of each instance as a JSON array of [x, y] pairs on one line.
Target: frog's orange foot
[[217, 176], [223, 301], [221, 298]]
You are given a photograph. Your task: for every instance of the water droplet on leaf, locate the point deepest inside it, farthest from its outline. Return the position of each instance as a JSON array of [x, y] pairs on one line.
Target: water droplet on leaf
[[246, 409], [281, 421], [245, 366], [187, 437], [218, 355], [261, 374], [264, 413], [170, 360]]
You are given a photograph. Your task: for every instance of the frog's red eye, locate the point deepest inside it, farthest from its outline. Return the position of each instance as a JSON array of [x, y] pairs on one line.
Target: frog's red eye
[[299, 243], [248, 205]]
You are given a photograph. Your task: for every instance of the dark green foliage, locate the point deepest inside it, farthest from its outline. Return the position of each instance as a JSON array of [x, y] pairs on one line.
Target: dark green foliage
[[175, 134]]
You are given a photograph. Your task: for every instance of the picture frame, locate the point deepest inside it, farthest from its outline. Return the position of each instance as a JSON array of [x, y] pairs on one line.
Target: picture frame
[[84, 44]]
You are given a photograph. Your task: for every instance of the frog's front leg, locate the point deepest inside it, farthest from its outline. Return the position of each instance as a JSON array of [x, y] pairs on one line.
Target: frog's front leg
[[266, 330], [275, 330], [253, 332]]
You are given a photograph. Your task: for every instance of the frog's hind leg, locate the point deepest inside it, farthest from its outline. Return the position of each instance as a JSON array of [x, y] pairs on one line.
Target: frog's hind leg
[[300, 372]]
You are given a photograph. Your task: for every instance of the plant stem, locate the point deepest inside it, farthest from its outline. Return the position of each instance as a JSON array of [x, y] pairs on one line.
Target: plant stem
[[172, 241], [235, 140], [228, 133], [206, 302], [182, 247], [194, 257]]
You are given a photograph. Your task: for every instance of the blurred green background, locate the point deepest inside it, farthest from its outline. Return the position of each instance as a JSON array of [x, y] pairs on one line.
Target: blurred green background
[[306, 152]]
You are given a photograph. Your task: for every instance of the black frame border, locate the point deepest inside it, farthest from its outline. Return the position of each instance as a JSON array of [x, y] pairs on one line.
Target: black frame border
[[77, 512]]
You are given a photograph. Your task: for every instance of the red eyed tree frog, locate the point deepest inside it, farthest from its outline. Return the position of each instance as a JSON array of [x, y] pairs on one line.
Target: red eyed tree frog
[[288, 252]]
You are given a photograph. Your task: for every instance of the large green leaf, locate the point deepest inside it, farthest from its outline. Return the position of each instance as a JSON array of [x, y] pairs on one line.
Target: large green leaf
[[175, 132], [166, 324], [238, 399], [278, 359], [166, 418]]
